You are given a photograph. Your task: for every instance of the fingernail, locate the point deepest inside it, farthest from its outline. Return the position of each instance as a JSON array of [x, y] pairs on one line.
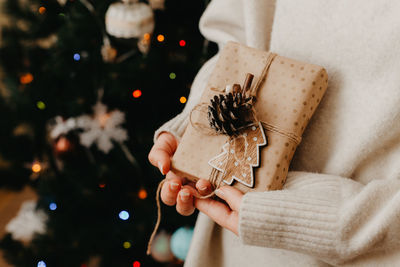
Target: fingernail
[[161, 167], [173, 186], [219, 192], [203, 189], [184, 196]]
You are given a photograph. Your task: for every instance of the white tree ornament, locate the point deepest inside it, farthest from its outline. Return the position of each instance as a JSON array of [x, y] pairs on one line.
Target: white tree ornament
[[27, 222], [102, 128], [62, 126], [129, 19]]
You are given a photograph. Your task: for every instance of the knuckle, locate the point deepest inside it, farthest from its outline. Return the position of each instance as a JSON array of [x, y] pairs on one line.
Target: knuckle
[[150, 156], [168, 201], [185, 211], [167, 198]]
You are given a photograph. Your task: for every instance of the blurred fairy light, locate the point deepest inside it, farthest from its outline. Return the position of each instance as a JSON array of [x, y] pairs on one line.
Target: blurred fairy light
[[142, 194], [127, 244], [182, 99], [40, 105], [26, 78], [41, 264], [77, 57], [160, 38], [172, 75], [136, 264], [124, 215], [137, 93], [42, 10], [36, 167], [53, 206], [182, 43], [146, 36]]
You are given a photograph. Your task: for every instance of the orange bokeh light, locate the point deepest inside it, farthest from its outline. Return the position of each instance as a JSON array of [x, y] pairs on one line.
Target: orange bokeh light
[[63, 144], [160, 38], [137, 93], [142, 194], [146, 36], [36, 167], [42, 10], [26, 78], [183, 99], [102, 185]]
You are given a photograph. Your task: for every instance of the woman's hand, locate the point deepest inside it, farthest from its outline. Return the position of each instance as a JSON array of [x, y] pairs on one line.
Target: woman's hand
[[180, 192], [226, 215]]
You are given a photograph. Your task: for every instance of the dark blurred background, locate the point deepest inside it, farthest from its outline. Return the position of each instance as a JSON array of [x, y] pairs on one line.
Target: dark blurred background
[[83, 86]]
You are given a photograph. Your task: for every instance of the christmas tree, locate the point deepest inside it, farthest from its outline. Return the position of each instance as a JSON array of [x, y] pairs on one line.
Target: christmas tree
[[84, 85]]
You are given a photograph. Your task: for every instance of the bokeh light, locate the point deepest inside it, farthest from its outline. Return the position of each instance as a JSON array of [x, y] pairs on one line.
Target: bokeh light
[[136, 264], [182, 99], [146, 36], [160, 38], [41, 264], [124, 215], [142, 194], [36, 167], [53, 206], [40, 105], [126, 244], [182, 43], [137, 93], [26, 78], [77, 57], [172, 76], [42, 10]]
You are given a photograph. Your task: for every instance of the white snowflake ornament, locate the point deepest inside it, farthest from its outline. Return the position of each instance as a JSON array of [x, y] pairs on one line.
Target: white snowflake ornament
[[27, 222], [102, 128], [62, 126]]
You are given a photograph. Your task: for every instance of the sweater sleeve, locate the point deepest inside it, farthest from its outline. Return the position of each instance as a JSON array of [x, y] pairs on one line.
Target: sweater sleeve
[[329, 217]]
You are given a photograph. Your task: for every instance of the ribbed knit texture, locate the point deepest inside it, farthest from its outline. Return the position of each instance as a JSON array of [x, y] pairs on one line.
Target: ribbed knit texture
[[341, 201]]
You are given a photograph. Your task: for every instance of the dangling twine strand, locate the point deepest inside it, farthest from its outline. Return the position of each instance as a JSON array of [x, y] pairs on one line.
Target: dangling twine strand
[[153, 234], [215, 178], [158, 216]]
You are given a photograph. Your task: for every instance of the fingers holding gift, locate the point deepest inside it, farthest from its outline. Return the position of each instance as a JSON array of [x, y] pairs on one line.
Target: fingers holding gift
[[184, 201], [171, 188], [204, 187]]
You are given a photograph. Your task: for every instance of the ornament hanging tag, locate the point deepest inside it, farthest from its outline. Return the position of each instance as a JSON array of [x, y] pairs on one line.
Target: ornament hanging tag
[[240, 155]]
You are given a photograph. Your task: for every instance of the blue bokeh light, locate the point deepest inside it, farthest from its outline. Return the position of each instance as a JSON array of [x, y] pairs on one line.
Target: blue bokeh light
[[53, 206], [77, 57], [124, 215], [41, 264]]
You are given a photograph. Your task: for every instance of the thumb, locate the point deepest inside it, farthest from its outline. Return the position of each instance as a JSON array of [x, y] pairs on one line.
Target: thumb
[[232, 196]]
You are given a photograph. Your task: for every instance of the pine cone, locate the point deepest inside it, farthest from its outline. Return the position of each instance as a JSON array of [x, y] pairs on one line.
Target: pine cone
[[228, 113]]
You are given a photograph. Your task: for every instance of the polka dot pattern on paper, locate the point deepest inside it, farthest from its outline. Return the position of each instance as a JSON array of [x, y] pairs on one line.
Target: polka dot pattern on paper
[[287, 99]]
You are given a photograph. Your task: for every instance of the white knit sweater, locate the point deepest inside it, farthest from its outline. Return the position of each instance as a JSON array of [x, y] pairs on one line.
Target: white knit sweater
[[341, 202]]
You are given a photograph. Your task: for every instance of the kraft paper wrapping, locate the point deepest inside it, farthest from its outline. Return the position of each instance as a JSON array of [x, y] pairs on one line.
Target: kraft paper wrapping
[[287, 99]]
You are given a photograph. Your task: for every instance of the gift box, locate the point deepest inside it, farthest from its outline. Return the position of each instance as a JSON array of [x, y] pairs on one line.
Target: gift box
[[286, 94]]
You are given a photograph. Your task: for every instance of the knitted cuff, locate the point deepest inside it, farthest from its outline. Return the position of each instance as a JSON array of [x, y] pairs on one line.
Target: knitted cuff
[[291, 220]]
